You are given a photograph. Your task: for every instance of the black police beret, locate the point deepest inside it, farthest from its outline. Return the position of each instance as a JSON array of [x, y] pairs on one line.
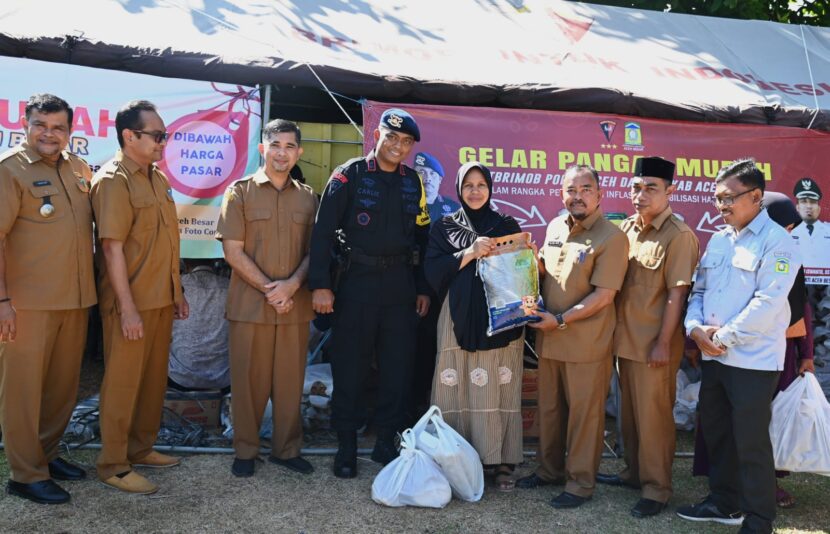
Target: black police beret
[[656, 167], [399, 120]]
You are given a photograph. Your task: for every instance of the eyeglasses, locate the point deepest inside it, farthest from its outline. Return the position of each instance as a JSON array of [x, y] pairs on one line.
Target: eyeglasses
[[158, 137], [728, 201]]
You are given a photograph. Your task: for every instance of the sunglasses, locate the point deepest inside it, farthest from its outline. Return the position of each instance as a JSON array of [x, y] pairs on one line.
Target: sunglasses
[[158, 137]]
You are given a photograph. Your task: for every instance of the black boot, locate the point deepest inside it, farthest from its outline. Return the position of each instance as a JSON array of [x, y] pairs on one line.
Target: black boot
[[345, 461], [385, 450]]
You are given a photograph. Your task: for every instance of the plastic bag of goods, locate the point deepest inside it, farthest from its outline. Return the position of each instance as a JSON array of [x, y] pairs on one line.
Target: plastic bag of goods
[[800, 428], [511, 283], [411, 479], [458, 460]]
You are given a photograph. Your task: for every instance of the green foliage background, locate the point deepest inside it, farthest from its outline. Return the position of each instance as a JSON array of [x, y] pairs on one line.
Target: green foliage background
[[812, 12]]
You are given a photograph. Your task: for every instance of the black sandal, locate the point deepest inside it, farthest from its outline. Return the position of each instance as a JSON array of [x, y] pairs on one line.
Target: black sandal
[[504, 478]]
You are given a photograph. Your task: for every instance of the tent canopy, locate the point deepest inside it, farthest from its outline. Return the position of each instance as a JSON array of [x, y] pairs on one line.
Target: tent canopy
[[539, 54]]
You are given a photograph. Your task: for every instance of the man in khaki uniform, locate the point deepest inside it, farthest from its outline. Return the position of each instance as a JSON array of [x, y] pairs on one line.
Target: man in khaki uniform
[[46, 288], [584, 258], [648, 340], [141, 294], [265, 228]]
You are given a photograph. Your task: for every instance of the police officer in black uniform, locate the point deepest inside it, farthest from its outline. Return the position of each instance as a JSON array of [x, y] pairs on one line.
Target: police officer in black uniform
[[373, 216]]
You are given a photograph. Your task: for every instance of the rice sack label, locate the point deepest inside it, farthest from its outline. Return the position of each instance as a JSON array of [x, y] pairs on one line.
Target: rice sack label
[[511, 283]]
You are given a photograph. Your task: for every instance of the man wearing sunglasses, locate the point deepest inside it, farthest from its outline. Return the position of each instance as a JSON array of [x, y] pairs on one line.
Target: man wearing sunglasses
[[140, 294], [737, 315]]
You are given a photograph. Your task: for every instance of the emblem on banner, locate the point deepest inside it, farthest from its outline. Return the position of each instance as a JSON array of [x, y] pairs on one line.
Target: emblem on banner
[[607, 128], [633, 134]]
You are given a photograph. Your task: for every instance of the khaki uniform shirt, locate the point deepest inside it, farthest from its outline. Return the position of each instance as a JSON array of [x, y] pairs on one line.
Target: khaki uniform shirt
[[662, 255], [48, 259], [579, 257], [140, 212], [275, 227]]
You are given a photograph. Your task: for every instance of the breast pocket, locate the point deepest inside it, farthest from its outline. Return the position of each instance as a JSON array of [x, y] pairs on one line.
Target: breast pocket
[[647, 268], [710, 263], [746, 266], [301, 228], [257, 222], [367, 210], [44, 204], [145, 213]]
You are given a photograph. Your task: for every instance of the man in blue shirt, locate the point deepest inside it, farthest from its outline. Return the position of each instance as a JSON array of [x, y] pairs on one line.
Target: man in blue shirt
[[737, 316]]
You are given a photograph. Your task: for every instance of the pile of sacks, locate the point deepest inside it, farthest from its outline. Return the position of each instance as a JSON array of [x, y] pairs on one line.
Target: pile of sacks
[[435, 463], [316, 404], [685, 406]]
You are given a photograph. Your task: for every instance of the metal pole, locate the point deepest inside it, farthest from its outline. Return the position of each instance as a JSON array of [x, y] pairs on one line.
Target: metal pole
[[266, 104]]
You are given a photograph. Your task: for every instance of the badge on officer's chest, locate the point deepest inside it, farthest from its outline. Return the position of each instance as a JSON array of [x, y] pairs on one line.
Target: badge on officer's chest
[[47, 209]]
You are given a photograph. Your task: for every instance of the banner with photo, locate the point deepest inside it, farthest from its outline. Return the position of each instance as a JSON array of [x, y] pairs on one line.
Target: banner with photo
[[528, 152], [214, 131]]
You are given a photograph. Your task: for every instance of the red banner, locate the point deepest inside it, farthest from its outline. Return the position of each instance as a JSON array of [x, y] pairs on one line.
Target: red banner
[[528, 152]]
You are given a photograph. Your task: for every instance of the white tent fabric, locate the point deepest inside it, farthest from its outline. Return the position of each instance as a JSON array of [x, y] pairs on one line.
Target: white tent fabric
[[541, 54]]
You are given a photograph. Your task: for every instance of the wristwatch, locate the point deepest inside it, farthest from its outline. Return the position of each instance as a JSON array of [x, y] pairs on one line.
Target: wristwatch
[[561, 320]]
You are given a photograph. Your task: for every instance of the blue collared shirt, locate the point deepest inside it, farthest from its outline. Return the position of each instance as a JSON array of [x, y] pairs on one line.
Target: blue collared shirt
[[741, 286]]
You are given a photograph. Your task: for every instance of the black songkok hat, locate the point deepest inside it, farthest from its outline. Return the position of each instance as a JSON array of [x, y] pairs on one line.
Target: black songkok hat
[[656, 167]]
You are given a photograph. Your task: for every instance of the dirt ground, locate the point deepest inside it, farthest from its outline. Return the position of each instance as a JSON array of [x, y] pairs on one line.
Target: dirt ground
[[202, 496]]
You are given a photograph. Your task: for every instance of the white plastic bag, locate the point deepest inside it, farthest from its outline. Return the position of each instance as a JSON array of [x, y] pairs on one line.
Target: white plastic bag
[[411, 479], [458, 459], [800, 428]]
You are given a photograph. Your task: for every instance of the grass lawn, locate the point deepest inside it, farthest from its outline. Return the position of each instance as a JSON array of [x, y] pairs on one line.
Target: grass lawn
[[202, 496]]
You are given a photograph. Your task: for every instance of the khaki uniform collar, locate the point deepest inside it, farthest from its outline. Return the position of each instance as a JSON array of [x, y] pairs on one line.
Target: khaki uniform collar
[[588, 221], [658, 221], [130, 164], [32, 155], [261, 178]]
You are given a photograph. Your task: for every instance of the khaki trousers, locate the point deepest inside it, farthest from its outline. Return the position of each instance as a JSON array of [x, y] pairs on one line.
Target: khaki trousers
[[572, 418], [267, 361], [39, 374], [132, 394], [648, 430]]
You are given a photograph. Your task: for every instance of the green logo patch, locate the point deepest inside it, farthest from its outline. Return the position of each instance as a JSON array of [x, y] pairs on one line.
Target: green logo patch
[[782, 266]]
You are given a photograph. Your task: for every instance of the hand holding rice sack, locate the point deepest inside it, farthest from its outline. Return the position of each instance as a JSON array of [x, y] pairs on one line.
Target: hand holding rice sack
[[477, 382]]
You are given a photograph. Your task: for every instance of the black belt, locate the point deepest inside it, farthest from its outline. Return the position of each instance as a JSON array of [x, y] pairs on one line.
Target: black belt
[[380, 261]]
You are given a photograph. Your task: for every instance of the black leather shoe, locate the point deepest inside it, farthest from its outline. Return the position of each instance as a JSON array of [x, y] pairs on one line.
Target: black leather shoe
[[535, 481], [298, 464], [243, 468], [647, 508], [60, 469], [385, 450], [615, 480], [568, 500], [43, 492], [345, 461]]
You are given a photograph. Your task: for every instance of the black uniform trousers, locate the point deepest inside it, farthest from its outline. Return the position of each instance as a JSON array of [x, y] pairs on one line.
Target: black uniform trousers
[[425, 357], [360, 331], [735, 411]]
